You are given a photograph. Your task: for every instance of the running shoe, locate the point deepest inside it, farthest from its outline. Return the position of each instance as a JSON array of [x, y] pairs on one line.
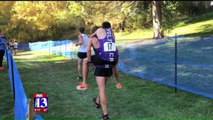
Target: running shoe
[[105, 117], [97, 105], [79, 78], [80, 83], [2, 68], [119, 86], [81, 87]]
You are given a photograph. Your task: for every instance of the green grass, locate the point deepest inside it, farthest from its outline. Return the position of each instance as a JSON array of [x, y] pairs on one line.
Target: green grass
[[195, 26], [6, 97], [134, 35], [139, 99]]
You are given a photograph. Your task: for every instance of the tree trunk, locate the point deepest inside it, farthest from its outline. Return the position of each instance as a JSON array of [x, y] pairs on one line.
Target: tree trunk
[[157, 18], [122, 24]]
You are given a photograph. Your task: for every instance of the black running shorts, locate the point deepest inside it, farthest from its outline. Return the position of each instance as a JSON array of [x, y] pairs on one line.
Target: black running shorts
[[101, 71], [104, 72], [96, 60], [82, 55]]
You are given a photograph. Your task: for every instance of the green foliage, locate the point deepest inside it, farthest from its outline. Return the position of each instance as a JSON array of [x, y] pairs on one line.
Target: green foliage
[[46, 19], [5, 14], [43, 20], [141, 16]]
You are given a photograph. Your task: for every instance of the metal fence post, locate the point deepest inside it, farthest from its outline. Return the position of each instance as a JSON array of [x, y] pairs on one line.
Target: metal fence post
[[175, 63]]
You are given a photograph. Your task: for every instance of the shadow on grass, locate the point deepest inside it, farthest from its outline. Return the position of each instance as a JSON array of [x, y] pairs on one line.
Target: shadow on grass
[[201, 18], [193, 20], [189, 24], [199, 33]]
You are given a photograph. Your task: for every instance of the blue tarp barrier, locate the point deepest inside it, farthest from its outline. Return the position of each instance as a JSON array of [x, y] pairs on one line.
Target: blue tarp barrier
[[38, 117], [154, 60], [20, 104], [65, 48], [20, 96]]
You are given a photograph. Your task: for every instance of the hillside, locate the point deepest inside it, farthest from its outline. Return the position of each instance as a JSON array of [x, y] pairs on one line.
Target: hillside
[[201, 25]]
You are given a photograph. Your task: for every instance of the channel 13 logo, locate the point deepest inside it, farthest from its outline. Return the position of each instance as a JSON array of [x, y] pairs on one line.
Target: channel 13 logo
[[40, 102]]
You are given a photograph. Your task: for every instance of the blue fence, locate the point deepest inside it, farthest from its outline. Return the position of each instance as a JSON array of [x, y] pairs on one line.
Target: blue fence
[[65, 48], [20, 98], [155, 60]]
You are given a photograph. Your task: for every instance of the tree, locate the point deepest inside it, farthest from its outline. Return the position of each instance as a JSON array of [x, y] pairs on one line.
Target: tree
[[42, 20], [140, 16], [98, 11], [157, 19], [5, 15]]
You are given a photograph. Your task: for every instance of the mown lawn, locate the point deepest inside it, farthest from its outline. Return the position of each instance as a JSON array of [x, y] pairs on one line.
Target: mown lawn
[[194, 26], [139, 99], [6, 95]]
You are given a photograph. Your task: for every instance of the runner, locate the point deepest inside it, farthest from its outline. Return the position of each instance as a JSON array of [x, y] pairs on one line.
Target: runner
[[82, 52], [15, 45], [85, 67], [106, 56]]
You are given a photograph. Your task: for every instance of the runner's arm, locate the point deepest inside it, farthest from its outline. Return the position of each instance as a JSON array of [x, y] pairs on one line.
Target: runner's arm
[[80, 40], [89, 50], [95, 33]]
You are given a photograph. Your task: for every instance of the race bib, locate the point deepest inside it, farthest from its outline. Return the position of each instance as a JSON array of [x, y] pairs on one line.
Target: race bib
[[109, 46]]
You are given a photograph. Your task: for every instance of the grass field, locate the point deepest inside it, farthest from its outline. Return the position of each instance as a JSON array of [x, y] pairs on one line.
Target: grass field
[[6, 97], [194, 26], [139, 99]]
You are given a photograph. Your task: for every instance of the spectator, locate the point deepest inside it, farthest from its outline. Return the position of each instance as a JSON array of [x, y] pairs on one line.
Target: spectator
[[15, 45], [2, 48]]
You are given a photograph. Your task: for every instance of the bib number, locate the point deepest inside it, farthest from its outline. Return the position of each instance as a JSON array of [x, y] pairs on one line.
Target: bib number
[[109, 46]]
